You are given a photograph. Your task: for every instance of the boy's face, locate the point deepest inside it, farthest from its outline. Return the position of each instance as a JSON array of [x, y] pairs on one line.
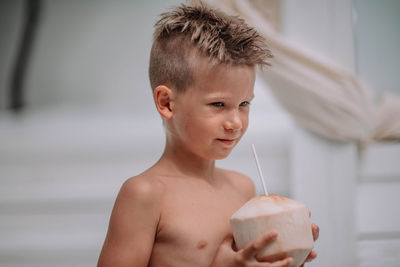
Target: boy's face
[[211, 116]]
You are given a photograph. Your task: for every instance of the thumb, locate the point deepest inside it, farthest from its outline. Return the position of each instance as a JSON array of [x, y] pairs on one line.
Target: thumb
[[228, 241]]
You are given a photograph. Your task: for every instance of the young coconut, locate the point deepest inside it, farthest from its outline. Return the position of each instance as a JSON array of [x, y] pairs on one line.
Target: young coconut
[[290, 218]]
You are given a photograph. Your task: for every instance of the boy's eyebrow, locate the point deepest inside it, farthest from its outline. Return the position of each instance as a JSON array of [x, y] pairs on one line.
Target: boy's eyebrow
[[219, 96]]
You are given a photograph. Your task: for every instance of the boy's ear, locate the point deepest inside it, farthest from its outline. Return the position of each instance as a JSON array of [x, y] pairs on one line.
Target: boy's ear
[[163, 98]]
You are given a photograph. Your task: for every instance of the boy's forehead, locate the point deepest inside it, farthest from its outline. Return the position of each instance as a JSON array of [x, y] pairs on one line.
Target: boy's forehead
[[211, 77]]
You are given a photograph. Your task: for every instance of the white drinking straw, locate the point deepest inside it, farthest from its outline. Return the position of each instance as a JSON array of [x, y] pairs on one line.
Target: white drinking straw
[[259, 169]]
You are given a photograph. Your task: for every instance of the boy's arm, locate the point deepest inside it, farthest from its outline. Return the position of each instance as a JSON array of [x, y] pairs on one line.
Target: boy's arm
[[133, 225]]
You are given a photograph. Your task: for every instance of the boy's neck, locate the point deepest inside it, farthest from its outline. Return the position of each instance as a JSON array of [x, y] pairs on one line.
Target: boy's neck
[[181, 162]]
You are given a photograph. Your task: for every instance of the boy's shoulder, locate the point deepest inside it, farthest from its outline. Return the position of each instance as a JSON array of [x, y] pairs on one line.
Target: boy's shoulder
[[239, 181], [143, 188], [150, 188]]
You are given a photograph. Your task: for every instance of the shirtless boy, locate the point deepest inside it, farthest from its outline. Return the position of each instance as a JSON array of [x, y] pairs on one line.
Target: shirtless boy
[[177, 212]]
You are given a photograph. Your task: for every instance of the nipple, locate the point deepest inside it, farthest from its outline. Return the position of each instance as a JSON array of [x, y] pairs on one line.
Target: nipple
[[202, 244]]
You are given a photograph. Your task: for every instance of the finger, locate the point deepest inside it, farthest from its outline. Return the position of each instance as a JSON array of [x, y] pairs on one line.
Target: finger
[[282, 263], [251, 250], [315, 231], [311, 256], [228, 241]]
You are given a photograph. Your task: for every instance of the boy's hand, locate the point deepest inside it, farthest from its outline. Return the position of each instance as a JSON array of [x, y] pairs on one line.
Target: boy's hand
[[226, 256], [315, 232]]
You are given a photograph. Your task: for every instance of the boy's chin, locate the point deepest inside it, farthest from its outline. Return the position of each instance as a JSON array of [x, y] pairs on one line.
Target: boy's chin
[[222, 155]]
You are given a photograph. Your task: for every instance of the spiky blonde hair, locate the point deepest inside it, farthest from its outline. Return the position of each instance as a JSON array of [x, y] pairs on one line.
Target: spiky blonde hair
[[199, 30]]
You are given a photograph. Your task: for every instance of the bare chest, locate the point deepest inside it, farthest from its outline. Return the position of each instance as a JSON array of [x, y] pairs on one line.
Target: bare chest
[[193, 225]]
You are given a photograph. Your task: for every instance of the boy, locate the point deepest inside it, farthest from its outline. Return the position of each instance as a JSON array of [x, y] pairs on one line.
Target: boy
[[177, 212]]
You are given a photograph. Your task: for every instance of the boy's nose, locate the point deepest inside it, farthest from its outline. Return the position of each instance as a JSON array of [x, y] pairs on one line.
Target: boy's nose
[[233, 122]]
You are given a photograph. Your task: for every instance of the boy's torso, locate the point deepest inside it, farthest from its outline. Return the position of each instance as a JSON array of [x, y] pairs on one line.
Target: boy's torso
[[195, 219]]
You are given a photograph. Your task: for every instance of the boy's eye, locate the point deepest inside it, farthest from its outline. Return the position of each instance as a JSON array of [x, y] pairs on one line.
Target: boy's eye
[[217, 104], [244, 103]]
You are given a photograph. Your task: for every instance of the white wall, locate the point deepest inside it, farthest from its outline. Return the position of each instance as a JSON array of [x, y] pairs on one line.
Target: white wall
[[321, 26], [351, 193], [87, 53], [320, 167], [377, 39]]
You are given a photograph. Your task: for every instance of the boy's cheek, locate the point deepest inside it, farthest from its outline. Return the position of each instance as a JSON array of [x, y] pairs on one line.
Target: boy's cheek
[[245, 125]]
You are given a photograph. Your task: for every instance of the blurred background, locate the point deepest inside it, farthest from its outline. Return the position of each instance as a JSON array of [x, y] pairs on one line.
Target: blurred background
[[77, 119]]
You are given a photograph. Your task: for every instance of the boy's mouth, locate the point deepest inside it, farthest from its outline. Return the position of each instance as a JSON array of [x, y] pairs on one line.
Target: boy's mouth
[[228, 142]]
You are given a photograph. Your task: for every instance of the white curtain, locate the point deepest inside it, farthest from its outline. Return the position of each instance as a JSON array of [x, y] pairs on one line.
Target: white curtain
[[322, 97]]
